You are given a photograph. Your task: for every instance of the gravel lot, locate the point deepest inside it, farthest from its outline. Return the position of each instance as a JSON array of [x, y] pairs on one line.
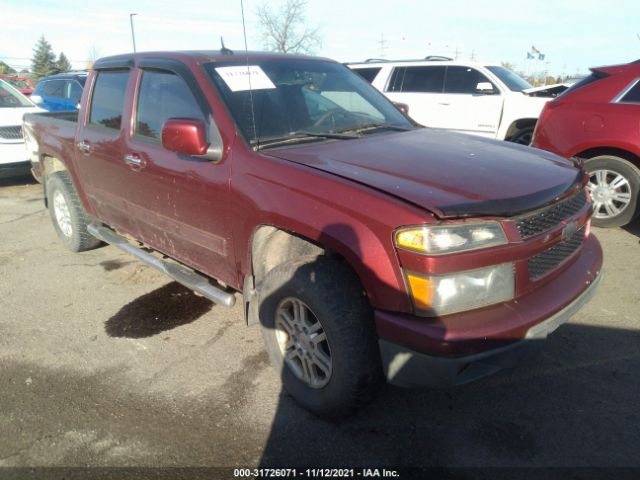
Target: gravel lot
[[104, 362]]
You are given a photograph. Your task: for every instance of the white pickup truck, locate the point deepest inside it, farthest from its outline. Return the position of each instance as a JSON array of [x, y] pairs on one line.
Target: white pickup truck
[[467, 97]]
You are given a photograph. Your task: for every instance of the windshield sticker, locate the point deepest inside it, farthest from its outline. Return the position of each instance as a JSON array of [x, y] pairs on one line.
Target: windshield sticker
[[237, 78]]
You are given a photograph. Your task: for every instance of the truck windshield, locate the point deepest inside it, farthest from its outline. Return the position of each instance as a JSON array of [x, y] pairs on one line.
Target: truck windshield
[[512, 80], [11, 98], [297, 100]]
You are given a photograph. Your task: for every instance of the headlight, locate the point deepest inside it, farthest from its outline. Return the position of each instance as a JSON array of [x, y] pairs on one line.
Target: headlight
[[441, 239], [456, 292]]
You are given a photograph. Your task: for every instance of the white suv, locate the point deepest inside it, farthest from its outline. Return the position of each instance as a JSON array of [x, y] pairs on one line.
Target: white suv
[[14, 159], [487, 100]]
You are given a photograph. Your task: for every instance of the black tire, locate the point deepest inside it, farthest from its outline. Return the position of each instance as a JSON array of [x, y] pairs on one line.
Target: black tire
[[74, 234], [631, 174], [523, 137], [333, 294]]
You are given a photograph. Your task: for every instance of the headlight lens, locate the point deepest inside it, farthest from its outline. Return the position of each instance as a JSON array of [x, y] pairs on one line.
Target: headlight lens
[[456, 292], [441, 239]]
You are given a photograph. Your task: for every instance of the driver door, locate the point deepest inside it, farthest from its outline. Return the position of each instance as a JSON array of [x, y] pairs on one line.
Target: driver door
[[180, 203]]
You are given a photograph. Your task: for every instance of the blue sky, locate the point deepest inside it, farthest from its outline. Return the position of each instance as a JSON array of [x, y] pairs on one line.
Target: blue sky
[[573, 34]]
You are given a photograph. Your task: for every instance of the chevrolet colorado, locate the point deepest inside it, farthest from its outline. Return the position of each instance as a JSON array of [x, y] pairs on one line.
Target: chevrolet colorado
[[365, 246]]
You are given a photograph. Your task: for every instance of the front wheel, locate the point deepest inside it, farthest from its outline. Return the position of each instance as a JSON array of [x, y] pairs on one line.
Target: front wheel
[[318, 330], [613, 184]]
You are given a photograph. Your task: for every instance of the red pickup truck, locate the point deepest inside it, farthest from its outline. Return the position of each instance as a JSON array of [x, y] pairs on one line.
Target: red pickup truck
[[366, 246]]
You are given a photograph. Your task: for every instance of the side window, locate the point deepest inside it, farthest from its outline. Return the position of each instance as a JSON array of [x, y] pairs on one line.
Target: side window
[[633, 95], [108, 98], [422, 80], [73, 91], [463, 80], [53, 88], [368, 73], [163, 95]]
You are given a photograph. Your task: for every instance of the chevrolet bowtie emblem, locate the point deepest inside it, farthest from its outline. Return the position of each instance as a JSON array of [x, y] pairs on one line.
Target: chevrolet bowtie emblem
[[569, 230]]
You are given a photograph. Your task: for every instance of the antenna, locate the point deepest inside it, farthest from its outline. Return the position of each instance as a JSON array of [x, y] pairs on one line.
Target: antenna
[[246, 52]]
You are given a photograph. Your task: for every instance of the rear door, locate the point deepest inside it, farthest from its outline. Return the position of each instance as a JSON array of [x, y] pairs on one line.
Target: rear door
[[180, 204], [471, 102], [421, 88], [99, 161]]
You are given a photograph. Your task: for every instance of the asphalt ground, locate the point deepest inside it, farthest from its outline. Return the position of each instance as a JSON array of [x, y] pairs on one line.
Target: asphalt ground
[[107, 363]]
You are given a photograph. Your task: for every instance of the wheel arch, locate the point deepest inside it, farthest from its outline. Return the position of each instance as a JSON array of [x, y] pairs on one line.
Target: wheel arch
[[270, 246], [518, 125], [50, 165], [614, 151]]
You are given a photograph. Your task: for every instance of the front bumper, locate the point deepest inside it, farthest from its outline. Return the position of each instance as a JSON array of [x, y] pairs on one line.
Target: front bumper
[[16, 169], [14, 160], [408, 368]]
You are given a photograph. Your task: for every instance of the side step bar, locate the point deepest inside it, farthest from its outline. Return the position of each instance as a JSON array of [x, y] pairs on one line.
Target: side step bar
[[180, 274]]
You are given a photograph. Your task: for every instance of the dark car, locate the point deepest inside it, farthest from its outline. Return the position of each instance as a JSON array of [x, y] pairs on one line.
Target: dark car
[[61, 92], [598, 119]]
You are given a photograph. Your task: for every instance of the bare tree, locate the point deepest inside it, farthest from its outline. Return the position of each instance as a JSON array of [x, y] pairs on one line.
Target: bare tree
[[93, 54], [285, 30]]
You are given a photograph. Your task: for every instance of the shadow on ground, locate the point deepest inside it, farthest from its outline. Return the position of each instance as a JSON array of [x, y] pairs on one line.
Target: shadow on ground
[[17, 181], [163, 309], [575, 405], [633, 228]]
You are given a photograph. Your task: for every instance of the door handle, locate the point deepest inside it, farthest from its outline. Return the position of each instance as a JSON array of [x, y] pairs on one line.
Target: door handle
[[134, 161], [444, 104], [84, 146]]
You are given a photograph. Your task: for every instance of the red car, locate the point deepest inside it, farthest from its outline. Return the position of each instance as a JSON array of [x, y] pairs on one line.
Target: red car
[[23, 84], [598, 119], [362, 244]]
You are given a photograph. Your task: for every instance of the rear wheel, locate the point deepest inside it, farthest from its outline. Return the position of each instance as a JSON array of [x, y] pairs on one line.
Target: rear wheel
[[318, 330], [67, 214], [613, 184]]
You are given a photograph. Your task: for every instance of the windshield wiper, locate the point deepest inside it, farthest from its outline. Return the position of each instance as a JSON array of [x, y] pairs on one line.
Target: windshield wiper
[[377, 126], [299, 135]]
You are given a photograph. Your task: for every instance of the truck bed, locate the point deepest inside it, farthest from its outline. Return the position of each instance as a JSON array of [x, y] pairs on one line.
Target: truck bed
[[50, 132], [69, 116]]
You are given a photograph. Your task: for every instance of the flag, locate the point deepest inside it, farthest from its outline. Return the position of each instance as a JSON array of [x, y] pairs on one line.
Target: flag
[[541, 56], [534, 50], [529, 56]]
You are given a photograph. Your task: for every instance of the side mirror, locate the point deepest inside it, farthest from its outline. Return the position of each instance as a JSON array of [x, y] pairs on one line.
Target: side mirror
[[485, 88], [37, 99], [185, 135]]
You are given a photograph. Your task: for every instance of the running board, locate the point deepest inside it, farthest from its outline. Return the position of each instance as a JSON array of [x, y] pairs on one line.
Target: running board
[[190, 279]]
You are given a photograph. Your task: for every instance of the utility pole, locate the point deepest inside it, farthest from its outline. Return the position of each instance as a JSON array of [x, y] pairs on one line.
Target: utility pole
[[546, 71], [383, 45], [457, 53], [473, 55], [133, 35]]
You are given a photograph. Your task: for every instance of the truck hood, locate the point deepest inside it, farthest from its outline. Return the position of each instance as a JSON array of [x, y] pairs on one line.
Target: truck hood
[[452, 175], [546, 90]]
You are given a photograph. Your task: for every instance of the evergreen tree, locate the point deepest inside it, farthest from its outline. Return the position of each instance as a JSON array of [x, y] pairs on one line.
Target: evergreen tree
[[43, 62], [63, 64], [6, 69]]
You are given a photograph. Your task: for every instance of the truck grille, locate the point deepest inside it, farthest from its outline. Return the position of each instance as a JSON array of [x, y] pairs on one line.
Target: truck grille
[[548, 218], [549, 259], [11, 133]]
